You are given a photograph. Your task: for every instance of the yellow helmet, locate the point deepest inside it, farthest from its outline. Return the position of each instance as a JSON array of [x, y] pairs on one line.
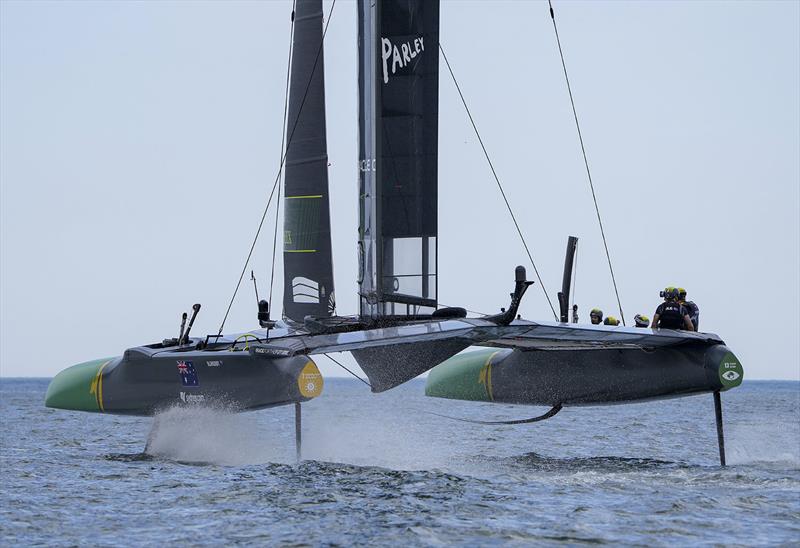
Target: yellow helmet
[[611, 320], [596, 312], [669, 293], [681, 293], [641, 320]]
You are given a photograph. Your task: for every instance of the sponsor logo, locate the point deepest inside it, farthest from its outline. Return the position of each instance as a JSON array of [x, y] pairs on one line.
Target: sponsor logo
[[394, 56], [310, 381], [273, 351], [192, 398], [730, 375], [369, 164], [305, 290], [188, 374], [730, 371], [214, 363]]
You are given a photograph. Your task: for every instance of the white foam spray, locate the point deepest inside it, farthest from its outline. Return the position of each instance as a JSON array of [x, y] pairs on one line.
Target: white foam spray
[[221, 436], [218, 436], [748, 443], [400, 445]]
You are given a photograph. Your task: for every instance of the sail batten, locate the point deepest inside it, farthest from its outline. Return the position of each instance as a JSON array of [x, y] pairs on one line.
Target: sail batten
[[307, 257]]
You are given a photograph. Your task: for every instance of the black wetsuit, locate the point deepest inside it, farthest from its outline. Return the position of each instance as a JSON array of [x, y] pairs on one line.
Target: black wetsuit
[[670, 315]]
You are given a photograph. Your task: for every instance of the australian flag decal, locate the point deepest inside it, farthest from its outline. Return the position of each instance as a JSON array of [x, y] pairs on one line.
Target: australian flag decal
[[188, 374]]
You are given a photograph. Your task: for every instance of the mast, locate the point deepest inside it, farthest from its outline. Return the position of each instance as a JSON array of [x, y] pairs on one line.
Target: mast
[[566, 281], [307, 259], [398, 156]]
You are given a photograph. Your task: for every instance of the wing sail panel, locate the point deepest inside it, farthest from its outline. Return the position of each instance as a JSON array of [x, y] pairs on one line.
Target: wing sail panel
[[307, 258]]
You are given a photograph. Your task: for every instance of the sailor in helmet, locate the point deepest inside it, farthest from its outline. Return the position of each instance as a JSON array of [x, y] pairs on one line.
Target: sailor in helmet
[[596, 316], [671, 314], [610, 320], [641, 320], [691, 308]]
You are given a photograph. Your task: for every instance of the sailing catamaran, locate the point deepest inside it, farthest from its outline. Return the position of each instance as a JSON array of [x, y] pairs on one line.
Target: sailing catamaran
[[400, 330]]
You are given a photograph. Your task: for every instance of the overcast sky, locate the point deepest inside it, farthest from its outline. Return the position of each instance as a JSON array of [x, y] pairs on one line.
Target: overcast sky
[[138, 141]]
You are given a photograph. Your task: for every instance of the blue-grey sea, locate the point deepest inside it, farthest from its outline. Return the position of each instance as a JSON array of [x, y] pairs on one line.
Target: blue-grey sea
[[382, 470]]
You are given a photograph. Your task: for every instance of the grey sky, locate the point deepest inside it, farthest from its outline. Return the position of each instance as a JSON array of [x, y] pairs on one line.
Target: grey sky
[[138, 142]]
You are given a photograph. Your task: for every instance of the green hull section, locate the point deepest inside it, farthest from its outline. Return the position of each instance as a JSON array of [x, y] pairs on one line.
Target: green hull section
[[463, 377], [731, 372], [78, 388]]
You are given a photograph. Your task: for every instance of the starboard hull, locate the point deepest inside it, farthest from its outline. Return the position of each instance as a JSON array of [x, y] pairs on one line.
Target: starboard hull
[[585, 377], [144, 382]]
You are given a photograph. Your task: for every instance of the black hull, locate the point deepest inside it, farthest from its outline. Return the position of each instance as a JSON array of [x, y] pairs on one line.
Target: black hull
[[145, 381], [585, 377]]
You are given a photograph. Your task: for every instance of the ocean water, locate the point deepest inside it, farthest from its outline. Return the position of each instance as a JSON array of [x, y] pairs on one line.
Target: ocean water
[[381, 469]]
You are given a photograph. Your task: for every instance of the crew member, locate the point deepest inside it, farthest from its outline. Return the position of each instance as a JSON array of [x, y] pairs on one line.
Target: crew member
[[671, 314], [596, 316], [641, 320], [611, 320], [691, 308]]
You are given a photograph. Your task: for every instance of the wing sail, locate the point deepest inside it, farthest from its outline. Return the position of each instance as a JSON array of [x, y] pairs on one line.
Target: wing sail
[[398, 144], [307, 259]]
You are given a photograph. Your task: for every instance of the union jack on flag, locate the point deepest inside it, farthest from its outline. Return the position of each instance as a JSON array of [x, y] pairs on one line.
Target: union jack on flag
[[188, 374]]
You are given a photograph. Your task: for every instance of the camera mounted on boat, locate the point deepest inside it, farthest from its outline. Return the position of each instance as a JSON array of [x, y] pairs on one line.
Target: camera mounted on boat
[[263, 315]]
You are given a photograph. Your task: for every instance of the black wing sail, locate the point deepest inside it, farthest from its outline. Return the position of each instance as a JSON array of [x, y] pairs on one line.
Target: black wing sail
[[307, 259], [398, 119]]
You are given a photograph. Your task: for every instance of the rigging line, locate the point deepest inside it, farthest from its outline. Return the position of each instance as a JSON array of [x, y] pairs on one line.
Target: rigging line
[[283, 143], [280, 167], [497, 180], [586, 162], [346, 369]]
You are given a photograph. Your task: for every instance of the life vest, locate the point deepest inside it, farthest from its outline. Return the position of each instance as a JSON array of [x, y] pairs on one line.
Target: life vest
[[694, 313], [671, 315]]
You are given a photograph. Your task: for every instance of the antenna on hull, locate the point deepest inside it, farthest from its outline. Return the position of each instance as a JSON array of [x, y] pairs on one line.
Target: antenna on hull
[[183, 326], [195, 310]]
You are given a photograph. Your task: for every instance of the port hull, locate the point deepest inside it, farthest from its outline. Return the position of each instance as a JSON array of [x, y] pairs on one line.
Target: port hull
[[144, 382]]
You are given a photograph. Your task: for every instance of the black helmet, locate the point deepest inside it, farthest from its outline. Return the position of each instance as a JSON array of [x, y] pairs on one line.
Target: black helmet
[[641, 320]]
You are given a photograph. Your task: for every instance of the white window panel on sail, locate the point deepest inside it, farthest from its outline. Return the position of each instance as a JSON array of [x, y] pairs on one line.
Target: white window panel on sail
[[406, 269], [407, 285], [407, 256]]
